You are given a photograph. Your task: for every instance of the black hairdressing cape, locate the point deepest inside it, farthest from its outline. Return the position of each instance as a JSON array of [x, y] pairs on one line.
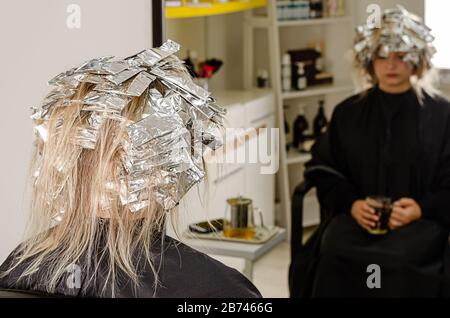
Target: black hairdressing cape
[[391, 145], [182, 273]]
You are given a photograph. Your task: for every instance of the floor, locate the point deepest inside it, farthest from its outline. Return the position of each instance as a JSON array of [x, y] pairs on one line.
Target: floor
[[270, 272]]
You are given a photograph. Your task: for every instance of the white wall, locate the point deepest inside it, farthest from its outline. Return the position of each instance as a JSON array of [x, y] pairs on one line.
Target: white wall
[[36, 44], [414, 6]]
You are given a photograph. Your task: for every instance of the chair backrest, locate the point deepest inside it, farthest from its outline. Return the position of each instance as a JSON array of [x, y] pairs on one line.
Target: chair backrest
[[299, 268], [297, 205], [297, 216]]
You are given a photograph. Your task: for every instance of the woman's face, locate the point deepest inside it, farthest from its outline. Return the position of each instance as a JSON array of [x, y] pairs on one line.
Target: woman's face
[[392, 72]]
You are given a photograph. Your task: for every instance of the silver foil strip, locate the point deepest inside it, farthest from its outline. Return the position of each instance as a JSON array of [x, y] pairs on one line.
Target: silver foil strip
[[152, 127], [42, 131], [124, 75], [140, 83], [95, 79], [111, 88], [115, 67], [176, 140], [152, 56], [176, 185], [184, 82], [86, 137], [102, 102], [93, 66]]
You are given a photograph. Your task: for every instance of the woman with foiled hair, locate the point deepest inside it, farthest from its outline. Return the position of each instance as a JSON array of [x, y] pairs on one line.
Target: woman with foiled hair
[[388, 198], [119, 142]]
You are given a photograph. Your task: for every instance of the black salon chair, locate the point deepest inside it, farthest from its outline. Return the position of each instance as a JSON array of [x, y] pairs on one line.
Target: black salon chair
[[302, 256]]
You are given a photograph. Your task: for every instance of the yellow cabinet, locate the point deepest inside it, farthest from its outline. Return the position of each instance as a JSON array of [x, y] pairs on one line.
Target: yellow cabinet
[[190, 9]]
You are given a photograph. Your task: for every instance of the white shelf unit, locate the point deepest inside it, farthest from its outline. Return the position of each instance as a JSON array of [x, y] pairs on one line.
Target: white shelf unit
[[306, 22], [291, 162], [318, 90], [294, 157]]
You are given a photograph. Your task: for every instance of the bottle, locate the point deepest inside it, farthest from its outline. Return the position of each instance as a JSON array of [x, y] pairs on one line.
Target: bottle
[[304, 10], [332, 7], [301, 125], [319, 8], [291, 10], [319, 60], [286, 82], [287, 131], [312, 9], [301, 77], [190, 64], [316, 9], [262, 81], [320, 121], [340, 10]]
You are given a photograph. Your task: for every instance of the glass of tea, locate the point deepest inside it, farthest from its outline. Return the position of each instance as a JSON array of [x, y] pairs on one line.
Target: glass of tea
[[383, 209]]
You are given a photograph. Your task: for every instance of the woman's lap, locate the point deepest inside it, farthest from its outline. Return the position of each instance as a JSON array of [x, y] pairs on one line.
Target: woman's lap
[[410, 260], [416, 243]]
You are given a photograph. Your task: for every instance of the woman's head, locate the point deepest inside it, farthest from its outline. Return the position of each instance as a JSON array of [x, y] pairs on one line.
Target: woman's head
[[117, 144], [396, 54]]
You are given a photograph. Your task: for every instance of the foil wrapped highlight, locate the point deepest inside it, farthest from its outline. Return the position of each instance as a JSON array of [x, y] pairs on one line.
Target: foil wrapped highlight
[[161, 156]]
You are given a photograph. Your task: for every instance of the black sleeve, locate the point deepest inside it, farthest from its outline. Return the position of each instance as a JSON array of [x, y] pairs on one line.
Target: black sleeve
[[436, 204], [336, 193]]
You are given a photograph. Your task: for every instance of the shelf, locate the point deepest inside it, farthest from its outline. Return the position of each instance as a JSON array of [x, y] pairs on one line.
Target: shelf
[[293, 157], [306, 22], [318, 90], [204, 9], [262, 22]]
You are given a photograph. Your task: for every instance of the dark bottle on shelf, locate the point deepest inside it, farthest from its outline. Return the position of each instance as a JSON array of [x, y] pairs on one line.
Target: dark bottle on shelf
[[190, 65], [316, 8], [287, 131], [320, 121], [300, 127]]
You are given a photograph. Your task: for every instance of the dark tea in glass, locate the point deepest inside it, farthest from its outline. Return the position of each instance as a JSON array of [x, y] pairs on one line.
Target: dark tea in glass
[[383, 208]]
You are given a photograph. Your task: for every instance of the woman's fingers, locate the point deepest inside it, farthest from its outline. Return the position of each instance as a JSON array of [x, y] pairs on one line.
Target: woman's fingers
[[398, 214], [364, 215], [368, 219], [406, 201], [371, 217], [369, 213], [398, 218], [367, 225], [367, 208], [395, 224]]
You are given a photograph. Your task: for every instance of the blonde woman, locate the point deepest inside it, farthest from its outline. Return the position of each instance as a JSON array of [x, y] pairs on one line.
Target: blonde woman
[[119, 142], [392, 140]]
